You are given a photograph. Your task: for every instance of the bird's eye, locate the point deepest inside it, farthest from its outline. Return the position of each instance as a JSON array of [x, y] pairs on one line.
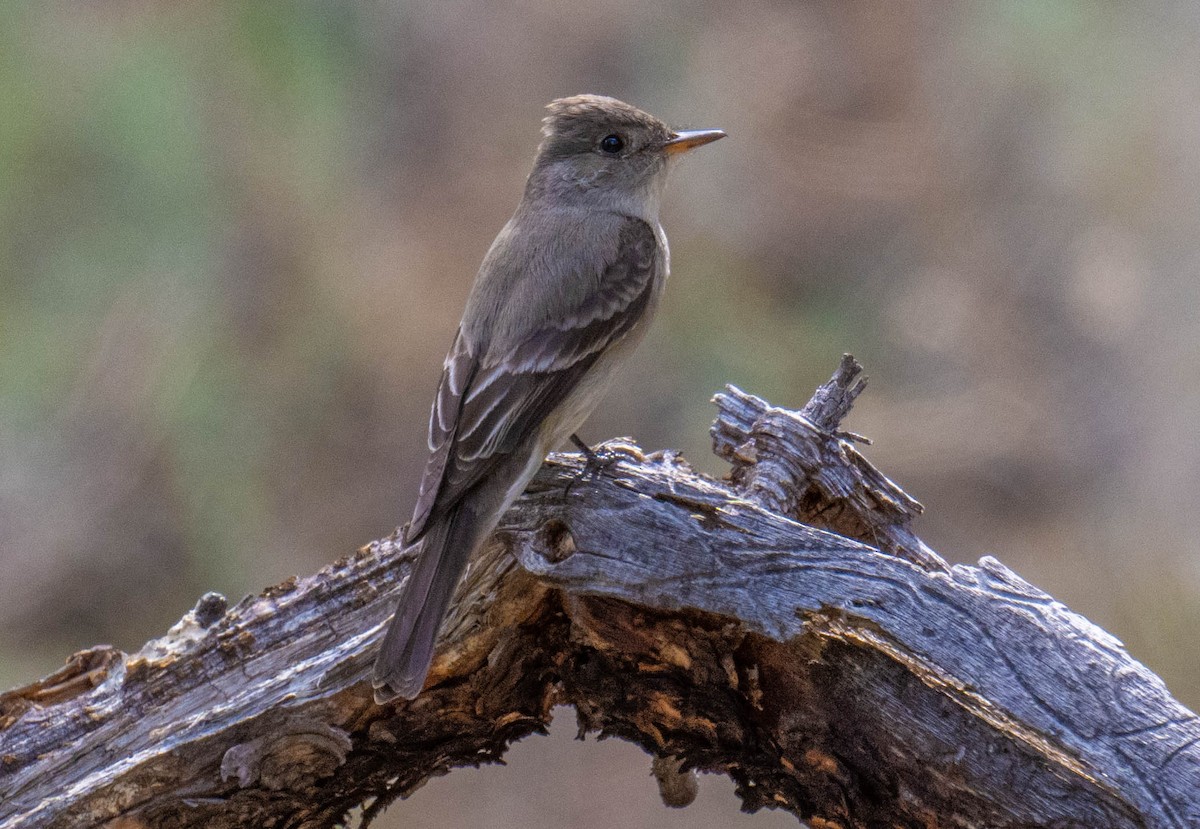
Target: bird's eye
[[612, 144]]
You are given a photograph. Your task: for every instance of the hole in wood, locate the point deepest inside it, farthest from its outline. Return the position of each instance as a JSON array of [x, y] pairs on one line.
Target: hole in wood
[[557, 543]]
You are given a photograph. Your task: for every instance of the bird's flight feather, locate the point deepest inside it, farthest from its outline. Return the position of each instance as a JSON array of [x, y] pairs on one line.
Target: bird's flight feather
[[486, 403]]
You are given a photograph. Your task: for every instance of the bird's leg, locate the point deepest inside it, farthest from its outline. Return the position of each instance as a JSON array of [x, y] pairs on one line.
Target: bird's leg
[[582, 447], [595, 460]]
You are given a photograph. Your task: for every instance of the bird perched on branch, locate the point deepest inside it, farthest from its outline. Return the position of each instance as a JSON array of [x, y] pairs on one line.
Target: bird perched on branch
[[562, 297]]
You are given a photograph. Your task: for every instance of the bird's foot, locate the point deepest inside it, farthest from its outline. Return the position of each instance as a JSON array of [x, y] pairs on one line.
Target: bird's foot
[[598, 460]]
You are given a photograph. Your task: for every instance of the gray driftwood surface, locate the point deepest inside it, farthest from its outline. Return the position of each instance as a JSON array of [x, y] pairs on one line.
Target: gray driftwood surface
[[852, 684]]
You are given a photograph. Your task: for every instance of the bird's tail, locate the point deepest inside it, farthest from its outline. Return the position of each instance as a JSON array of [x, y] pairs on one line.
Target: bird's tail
[[407, 649]]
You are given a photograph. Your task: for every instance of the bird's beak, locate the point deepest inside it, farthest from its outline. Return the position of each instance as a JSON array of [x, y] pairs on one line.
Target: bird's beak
[[681, 142]]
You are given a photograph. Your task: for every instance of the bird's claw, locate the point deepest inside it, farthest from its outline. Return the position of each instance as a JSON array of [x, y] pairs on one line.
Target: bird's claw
[[598, 460]]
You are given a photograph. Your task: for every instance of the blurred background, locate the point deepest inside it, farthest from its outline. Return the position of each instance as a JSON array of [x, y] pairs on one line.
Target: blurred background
[[235, 239]]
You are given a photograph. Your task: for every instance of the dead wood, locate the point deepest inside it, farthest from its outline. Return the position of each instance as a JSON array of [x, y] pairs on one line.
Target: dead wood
[[854, 683]]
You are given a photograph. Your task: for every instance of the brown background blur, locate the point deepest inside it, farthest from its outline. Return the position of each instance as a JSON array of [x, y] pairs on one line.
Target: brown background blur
[[235, 238]]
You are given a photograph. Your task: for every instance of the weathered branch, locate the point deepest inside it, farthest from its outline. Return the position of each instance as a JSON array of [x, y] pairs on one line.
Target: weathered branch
[[853, 686]]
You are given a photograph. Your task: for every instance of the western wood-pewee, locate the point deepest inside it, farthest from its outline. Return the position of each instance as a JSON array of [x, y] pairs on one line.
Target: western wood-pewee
[[563, 295]]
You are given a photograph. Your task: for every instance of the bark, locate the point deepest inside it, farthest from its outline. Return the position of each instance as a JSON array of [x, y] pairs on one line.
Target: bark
[[718, 624]]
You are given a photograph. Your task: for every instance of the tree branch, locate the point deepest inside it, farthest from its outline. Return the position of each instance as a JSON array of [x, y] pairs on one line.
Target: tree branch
[[853, 685]]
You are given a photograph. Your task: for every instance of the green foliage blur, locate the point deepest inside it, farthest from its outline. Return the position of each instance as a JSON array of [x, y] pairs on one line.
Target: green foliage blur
[[235, 238], [164, 339]]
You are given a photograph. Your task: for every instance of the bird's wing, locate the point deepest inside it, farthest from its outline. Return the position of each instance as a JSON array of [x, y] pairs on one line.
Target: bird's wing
[[486, 404]]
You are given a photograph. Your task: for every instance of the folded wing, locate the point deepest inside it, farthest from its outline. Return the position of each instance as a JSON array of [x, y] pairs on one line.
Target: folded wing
[[487, 404]]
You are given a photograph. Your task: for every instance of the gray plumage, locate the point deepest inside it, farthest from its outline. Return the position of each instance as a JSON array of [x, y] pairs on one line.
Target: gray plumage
[[564, 293]]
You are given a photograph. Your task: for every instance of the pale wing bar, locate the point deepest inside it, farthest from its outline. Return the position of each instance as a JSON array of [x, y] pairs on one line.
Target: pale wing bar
[[498, 404]]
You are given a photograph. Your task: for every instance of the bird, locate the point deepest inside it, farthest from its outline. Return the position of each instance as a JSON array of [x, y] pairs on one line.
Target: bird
[[562, 297]]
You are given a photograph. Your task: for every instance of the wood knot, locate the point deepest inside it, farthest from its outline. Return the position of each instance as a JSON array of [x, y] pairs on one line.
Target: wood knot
[[555, 542], [291, 758]]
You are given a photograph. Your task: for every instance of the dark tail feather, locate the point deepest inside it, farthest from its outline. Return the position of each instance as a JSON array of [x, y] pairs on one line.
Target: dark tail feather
[[407, 649]]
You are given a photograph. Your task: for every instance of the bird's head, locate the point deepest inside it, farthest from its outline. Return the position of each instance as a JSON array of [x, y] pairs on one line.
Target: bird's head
[[599, 150]]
